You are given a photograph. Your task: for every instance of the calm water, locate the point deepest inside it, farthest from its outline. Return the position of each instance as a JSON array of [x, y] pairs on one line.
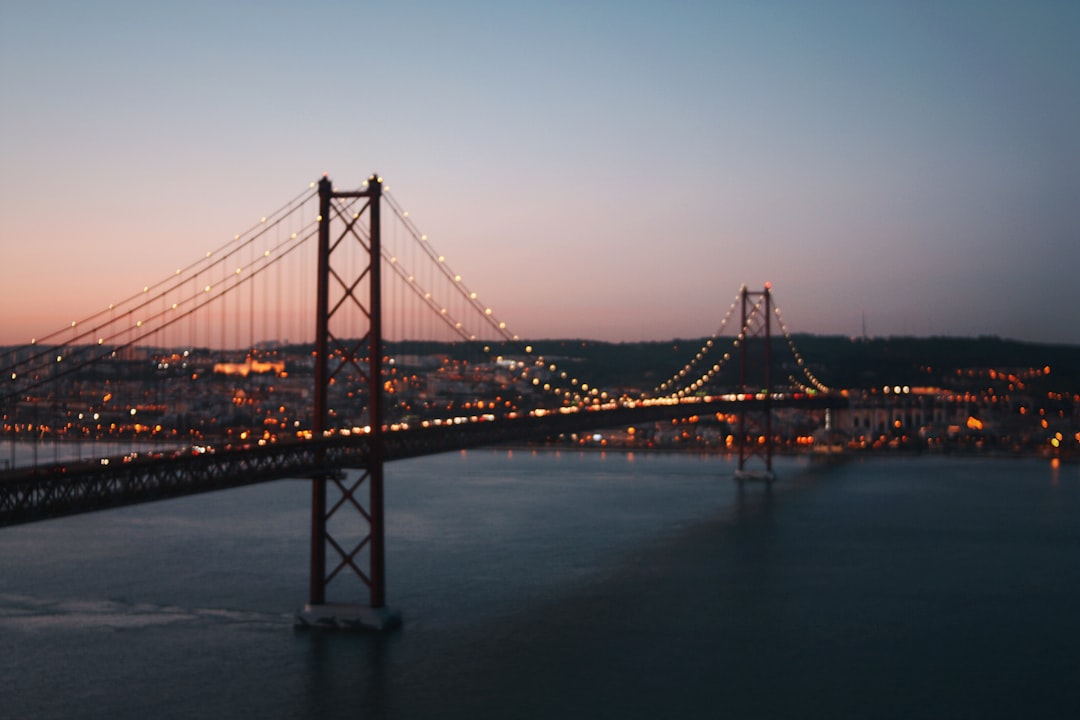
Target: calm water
[[572, 585]]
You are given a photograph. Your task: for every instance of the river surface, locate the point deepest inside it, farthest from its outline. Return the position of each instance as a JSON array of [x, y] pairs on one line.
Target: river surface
[[572, 585]]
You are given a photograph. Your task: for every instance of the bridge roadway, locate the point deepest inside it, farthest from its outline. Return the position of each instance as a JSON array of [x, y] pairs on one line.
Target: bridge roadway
[[34, 494]]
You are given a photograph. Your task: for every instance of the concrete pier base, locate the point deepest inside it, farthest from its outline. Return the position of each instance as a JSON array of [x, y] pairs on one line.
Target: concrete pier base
[[342, 616], [754, 476]]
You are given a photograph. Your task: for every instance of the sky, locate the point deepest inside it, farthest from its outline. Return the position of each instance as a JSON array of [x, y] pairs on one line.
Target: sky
[[608, 170]]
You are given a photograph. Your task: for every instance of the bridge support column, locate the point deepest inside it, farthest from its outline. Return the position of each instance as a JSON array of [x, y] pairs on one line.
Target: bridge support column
[[351, 360], [755, 427]]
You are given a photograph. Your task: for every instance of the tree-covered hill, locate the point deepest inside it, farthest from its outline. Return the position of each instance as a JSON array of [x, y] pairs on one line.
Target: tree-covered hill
[[839, 362]]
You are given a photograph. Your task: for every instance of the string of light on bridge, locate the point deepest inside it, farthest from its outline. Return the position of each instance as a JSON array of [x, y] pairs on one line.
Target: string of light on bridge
[[159, 305], [673, 387], [700, 383], [702, 352], [83, 330], [573, 391], [818, 385]]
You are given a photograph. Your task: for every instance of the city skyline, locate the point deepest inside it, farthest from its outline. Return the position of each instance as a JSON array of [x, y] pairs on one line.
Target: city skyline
[[614, 171]]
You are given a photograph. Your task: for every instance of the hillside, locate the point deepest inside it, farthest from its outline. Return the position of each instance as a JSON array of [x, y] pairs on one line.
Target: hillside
[[837, 361]]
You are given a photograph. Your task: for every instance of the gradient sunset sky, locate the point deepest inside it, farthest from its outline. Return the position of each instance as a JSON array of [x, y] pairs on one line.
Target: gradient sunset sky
[[609, 170]]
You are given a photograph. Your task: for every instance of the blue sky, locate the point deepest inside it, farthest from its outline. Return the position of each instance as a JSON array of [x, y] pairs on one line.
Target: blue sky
[[612, 170]]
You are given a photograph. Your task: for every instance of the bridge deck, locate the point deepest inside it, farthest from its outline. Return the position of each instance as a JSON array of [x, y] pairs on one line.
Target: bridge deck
[[33, 494]]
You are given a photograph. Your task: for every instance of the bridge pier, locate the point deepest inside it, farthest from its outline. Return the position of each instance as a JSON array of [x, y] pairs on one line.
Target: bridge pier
[[756, 322], [320, 614], [336, 340], [759, 475], [346, 616]]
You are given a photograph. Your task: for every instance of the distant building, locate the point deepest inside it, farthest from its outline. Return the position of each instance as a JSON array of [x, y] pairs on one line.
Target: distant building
[[250, 366]]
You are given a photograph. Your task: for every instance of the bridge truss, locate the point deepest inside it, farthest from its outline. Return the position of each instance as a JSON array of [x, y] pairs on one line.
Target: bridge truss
[[34, 494]]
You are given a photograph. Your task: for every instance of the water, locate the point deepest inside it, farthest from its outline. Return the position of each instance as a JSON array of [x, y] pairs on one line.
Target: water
[[571, 585]]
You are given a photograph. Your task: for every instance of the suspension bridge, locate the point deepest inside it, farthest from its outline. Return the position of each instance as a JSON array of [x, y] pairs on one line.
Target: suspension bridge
[[393, 356]]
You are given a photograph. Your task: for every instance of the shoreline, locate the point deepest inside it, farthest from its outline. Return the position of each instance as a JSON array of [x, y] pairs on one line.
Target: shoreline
[[996, 454]]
